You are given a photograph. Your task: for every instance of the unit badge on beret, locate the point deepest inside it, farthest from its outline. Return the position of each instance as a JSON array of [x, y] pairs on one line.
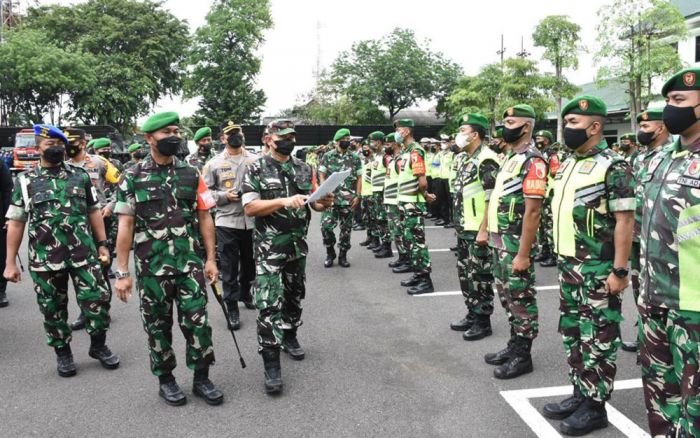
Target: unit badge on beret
[[645, 116], [583, 104], [689, 79], [465, 118], [45, 132], [510, 111]]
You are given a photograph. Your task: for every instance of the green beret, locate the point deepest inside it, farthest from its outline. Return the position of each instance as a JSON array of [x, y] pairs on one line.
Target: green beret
[[546, 134], [390, 138], [134, 147], [685, 80], [473, 119], [91, 142], [520, 110], [160, 121], [201, 133], [101, 143], [629, 136], [404, 123], [377, 135], [651, 114], [586, 105], [342, 132]]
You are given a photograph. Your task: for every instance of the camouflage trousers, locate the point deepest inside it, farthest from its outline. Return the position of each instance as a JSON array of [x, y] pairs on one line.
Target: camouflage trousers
[[381, 228], [545, 237], [93, 297], [474, 268], [412, 218], [395, 228], [635, 268], [188, 292], [367, 209], [669, 351], [517, 295], [337, 216], [279, 287], [589, 323]]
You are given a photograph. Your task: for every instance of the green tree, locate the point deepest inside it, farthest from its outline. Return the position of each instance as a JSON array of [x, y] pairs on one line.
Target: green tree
[[37, 75], [635, 42], [138, 51], [560, 39], [225, 62], [394, 72]]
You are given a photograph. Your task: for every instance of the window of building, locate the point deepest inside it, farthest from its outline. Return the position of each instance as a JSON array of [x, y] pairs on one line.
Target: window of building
[[697, 48]]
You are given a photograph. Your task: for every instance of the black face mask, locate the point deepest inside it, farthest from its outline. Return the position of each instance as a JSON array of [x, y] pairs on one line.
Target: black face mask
[[72, 151], [235, 140], [454, 148], [388, 150], [105, 154], [139, 155], [54, 154], [575, 138], [285, 147], [625, 147], [540, 144], [168, 146], [205, 148], [513, 135], [344, 144], [645, 138], [679, 118], [365, 153]]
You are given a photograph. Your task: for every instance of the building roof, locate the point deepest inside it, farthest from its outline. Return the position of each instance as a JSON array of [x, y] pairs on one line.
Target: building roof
[[612, 92], [689, 8], [427, 117]]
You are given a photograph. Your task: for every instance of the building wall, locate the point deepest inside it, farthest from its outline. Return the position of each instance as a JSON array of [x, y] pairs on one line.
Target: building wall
[[687, 47]]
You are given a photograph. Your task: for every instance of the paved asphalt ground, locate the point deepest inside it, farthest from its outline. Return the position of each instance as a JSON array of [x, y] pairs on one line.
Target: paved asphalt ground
[[378, 363]]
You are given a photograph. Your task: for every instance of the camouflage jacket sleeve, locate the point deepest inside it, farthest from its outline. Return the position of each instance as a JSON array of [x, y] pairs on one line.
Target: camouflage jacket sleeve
[[323, 164], [357, 165], [487, 175], [18, 208], [126, 201], [251, 183], [93, 203], [620, 184]]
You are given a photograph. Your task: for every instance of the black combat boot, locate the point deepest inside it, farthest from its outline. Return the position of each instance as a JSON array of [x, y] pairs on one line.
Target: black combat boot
[[291, 346], [204, 388], [440, 222], [502, 356], [3, 298], [402, 260], [234, 315], [64, 362], [630, 346], [367, 241], [330, 257], [170, 391], [519, 363], [424, 286], [479, 330], [403, 269], [374, 244], [79, 323], [463, 324], [100, 351], [273, 371], [385, 252], [549, 262], [566, 407], [589, 416], [415, 278], [539, 257], [343, 259]]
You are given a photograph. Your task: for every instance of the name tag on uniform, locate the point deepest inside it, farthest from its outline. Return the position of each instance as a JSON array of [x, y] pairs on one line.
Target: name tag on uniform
[[511, 166], [587, 167], [227, 174]]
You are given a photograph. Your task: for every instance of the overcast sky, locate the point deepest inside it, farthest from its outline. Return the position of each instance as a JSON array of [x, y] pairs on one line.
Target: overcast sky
[[468, 32]]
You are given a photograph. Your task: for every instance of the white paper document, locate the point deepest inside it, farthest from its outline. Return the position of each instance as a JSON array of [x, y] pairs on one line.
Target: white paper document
[[329, 185]]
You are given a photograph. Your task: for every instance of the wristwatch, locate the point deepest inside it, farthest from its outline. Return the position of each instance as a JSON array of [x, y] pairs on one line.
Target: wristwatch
[[621, 272], [120, 274]]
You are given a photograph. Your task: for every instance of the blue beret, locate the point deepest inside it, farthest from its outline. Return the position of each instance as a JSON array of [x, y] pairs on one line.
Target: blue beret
[[50, 131]]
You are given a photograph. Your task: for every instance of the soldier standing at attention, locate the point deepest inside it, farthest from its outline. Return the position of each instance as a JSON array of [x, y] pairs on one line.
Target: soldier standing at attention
[[544, 141], [513, 218], [200, 157], [223, 175], [163, 207], [376, 143], [391, 203], [275, 191], [593, 208], [669, 303], [346, 197], [59, 205], [367, 200]]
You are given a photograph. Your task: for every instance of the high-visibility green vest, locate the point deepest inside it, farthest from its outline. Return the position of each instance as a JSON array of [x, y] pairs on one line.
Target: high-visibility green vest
[[429, 163], [378, 174], [391, 183], [473, 193], [409, 190], [366, 179], [446, 158], [435, 164], [583, 227]]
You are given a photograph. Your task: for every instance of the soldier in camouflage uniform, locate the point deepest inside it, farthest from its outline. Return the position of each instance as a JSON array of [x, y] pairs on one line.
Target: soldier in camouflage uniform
[[593, 207], [138, 152], [413, 194], [60, 207], [669, 303], [652, 136], [103, 148], [513, 218], [103, 175], [367, 208], [391, 203], [200, 157], [476, 178], [346, 197], [544, 140], [381, 158], [629, 148], [275, 191], [163, 206]]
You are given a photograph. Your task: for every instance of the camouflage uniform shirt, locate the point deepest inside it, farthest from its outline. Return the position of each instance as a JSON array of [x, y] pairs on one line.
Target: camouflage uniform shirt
[[334, 161]]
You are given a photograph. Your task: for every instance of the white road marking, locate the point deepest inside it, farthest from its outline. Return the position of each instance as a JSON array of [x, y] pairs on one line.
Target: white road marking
[[439, 250], [458, 292], [519, 401]]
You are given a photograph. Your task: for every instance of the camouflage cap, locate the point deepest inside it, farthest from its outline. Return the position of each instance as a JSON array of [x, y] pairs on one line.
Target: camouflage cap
[[281, 127]]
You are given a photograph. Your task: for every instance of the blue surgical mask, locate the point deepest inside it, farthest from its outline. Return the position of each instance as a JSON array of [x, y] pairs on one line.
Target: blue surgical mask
[[399, 138]]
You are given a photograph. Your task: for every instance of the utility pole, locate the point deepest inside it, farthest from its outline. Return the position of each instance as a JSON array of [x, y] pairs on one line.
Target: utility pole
[[522, 53], [502, 51]]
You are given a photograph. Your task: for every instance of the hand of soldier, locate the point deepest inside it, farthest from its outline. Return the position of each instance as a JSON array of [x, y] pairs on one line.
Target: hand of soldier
[[12, 273], [232, 196], [482, 238], [355, 203], [211, 271], [296, 201], [106, 212], [614, 284], [430, 197], [327, 201], [105, 258], [521, 264], [123, 288]]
